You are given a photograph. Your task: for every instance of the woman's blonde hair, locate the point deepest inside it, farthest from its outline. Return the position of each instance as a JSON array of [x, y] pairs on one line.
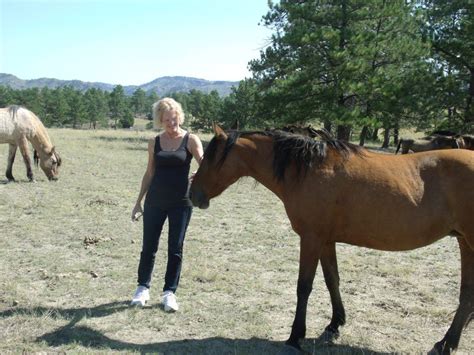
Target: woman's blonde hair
[[164, 105]]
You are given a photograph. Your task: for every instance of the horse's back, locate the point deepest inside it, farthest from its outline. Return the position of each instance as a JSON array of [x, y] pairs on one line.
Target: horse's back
[[16, 122], [390, 202], [7, 126], [435, 186]]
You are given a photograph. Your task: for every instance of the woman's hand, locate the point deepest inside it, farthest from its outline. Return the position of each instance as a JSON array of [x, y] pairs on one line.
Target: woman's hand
[[137, 212]]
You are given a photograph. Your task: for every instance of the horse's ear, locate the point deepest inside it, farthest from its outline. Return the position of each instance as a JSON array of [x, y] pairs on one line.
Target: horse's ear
[[217, 130], [53, 149]]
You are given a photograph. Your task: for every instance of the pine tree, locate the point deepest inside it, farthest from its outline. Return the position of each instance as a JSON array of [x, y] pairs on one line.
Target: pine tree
[[96, 107], [450, 27], [138, 102], [339, 62], [117, 104]]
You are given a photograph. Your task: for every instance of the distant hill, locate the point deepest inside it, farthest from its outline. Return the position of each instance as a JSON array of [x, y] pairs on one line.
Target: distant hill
[[162, 86]]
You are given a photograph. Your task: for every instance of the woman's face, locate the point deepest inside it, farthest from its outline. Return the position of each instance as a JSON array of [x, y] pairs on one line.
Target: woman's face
[[170, 121]]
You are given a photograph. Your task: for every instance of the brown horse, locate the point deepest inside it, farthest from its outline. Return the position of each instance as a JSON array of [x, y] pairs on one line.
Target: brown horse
[[18, 126], [429, 143], [338, 192]]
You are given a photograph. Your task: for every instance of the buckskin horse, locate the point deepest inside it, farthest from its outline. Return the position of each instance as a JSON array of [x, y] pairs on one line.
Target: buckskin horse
[[18, 126], [330, 190]]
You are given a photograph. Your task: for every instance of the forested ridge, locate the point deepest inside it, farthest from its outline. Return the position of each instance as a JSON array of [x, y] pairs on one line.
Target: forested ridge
[[351, 66]]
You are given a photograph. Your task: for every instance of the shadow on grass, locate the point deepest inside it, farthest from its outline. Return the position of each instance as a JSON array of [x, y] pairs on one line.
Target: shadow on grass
[[72, 333]]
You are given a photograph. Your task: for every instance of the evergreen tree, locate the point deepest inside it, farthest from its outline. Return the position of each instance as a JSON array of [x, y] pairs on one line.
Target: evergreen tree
[[151, 98], [138, 101], [127, 120], [6, 96], [450, 26], [241, 106], [195, 106], [55, 106], [76, 113], [31, 99], [339, 62], [96, 107], [117, 104]]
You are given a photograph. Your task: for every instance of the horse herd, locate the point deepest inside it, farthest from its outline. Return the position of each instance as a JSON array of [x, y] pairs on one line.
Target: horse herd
[[333, 192], [438, 140]]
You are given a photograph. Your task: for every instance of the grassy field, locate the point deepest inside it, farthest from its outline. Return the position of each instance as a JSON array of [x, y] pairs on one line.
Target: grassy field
[[69, 255]]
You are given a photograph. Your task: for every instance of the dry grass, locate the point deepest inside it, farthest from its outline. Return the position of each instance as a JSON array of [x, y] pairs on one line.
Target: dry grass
[[69, 255]]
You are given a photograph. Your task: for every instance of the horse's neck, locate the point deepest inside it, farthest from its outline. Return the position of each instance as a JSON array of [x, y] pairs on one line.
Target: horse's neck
[[258, 157], [41, 141]]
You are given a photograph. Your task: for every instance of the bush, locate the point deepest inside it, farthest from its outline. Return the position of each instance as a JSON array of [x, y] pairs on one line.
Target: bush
[[127, 120]]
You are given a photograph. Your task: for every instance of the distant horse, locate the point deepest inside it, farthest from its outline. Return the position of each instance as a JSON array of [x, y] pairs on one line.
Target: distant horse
[[338, 192], [18, 126], [467, 142], [429, 143]]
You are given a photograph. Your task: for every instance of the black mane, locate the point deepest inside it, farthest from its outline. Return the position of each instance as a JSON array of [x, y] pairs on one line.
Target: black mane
[[304, 151]]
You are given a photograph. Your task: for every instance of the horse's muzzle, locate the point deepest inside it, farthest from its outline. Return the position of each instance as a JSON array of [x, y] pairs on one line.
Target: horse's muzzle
[[199, 198]]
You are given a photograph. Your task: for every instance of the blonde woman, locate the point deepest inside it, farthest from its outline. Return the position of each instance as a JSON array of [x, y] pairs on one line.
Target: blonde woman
[[165, 184]]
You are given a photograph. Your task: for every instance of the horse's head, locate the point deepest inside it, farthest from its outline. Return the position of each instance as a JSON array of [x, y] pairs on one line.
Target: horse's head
[[217, 171], [50, 163]]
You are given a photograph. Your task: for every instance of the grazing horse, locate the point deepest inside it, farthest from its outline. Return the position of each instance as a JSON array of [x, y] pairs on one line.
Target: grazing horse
[[338, 192], [429, 143], [18, 126]]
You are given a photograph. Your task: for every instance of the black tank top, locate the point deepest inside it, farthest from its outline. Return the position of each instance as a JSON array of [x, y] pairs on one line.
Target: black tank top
[[169, 186]]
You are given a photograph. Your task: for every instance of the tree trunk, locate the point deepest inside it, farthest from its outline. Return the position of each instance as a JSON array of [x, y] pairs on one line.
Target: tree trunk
[[375, 134], [363, 135], [343, 132], [396, 134], [469, 114], [386, 138]]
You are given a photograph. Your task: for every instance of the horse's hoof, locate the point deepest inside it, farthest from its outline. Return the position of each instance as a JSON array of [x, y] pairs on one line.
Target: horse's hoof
[[439, 349], [328, 336]]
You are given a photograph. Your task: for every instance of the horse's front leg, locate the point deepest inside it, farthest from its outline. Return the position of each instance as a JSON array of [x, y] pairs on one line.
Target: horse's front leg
[[11, 159], [310, 250], [23, 144], [331, 277]]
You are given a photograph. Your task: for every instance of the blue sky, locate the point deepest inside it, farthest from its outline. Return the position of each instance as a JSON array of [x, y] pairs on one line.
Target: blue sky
[[130, 42]]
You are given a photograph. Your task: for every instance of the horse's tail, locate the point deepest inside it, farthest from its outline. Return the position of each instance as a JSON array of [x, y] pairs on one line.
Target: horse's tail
[[36, 157], [399, 145]]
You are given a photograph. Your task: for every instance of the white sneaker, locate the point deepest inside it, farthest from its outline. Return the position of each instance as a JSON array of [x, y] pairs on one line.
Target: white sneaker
[[169, 302], [141, 296]]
